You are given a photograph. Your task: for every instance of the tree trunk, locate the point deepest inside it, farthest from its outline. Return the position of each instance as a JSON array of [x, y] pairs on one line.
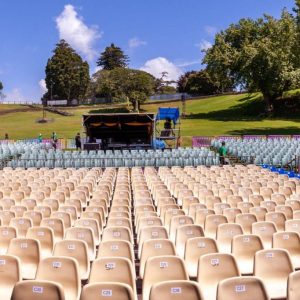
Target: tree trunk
[[269, 103]]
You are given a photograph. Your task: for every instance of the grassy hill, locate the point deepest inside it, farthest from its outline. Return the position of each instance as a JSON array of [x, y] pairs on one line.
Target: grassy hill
[[221, 115]]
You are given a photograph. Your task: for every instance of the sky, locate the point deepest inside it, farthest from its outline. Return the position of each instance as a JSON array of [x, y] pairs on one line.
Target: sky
[[158, 35]]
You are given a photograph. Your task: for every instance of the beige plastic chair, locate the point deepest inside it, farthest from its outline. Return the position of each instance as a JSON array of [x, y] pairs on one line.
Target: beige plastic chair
[[269, 205], [79, 251], [6, 235], [287, 210], [97, 213], [64, 271], [289, 241], [117, 233], [153, 248], [177, 289], [259, 212], [293, 289], [278, 218], [10, 274], [245, 207], [19, 210], [212, 269], [177, 221], [201, 214], [184, 233], [113, 269], [273, 267], [28, 251], [246, 221], [6, 216], [169, 214], [244, 248], [57, 225], [93, 224], [147, 233], [256, 200], [195, 248], [104, 291], [265, 231], [162, 268], [38, 289], [45, 210], [83, 234], [22, 225], [293, 225], [64, 216], [147, 222], [116, 249], [225, 233], [35, 216], [231, 213], [211, 224], [242, 288], [45, 236]]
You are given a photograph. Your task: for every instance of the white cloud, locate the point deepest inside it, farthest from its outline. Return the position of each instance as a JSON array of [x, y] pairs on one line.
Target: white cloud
[[71, 27], [160, 64], [210, 30], [136, 42], [204, 45], [188, 63], [15, 96], [43, 87]]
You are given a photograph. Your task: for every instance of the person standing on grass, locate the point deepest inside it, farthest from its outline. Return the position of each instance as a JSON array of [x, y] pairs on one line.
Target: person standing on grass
[[78, 141], [222, 153], [40, 138]]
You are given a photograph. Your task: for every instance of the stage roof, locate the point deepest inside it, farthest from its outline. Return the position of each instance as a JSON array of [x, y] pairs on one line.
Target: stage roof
[[168, 112]]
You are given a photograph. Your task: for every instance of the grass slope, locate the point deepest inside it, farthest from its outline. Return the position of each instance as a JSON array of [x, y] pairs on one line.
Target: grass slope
[[222, 115]]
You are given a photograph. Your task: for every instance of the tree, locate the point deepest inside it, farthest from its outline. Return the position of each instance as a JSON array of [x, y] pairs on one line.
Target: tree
[[113, 57], [1, 89], [200, 83], [123, 84], [67, 75], [182, 81], [258, 55]]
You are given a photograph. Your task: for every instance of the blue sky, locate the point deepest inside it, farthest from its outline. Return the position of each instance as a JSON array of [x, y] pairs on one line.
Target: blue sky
[[158, 35]]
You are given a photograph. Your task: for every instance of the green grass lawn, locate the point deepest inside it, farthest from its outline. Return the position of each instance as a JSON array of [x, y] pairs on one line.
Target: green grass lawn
[[222, 115]]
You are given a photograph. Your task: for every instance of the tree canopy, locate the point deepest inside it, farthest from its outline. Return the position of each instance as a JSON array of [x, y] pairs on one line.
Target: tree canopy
[[259, 55], [112, 57], [122, 84], [1, 89], [67, 75]]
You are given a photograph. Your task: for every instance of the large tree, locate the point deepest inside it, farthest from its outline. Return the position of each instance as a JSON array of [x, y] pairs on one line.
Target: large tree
[[182, 81], [112, 57], [1, 89], [67, 75], [258, 55], [122, 84]]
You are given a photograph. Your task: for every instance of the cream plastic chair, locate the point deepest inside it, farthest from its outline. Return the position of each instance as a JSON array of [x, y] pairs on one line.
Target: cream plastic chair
[[265, 231], [37, 289], [244, 248], [10, 274], [61, 270], [104, 291], [212, 269], [211, 224], [246, 221], [6, 235], [293, 289], [273, 267], [195, 248], [162, 268], [177, 289], [242, 288]]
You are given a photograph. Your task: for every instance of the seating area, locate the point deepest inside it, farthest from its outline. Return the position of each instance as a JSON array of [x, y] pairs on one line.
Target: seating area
[[115, 158], [203, 233], [276, 152]]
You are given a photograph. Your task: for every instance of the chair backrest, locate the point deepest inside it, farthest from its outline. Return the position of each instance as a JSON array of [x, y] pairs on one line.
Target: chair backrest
[[7, 233], [162, 268], [111, 290], [117, 233], [212, 269], [244, 248], [45, 236], [61, 270], [57, 226], [201, 214], [292, 225], [177, 221], [35, 289], [246, 220], [28, 251], [92, 224], [278, 218], [265, 231], [194, 249], [211, 224], [178, 289], [273, 266], [113, 269], [242, 288], [84, 234], [184, 233], [22, 225], [225, 233], [259, 212], [157, 247], [293, 289], [10, 274]]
